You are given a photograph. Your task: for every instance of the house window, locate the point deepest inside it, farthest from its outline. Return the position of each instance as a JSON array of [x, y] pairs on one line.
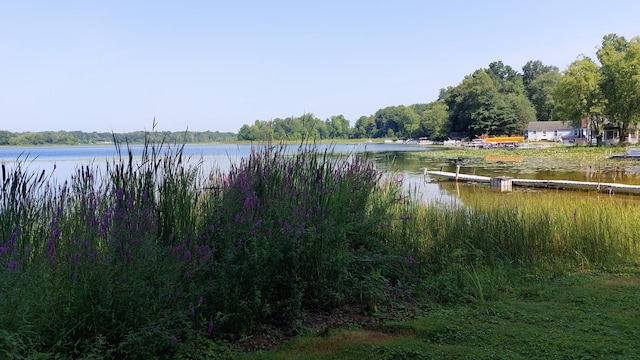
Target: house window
[[575, 133], [555, 132], [534, 132], [544, 132], [609, 134]]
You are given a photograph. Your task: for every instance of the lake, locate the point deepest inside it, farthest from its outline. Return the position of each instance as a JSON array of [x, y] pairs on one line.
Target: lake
[[407, 161]]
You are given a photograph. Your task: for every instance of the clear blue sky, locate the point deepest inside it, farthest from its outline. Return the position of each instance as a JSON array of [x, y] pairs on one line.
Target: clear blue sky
[[114, 65]]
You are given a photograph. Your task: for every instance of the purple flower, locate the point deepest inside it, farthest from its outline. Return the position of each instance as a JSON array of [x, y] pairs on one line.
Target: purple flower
[[210, 328]]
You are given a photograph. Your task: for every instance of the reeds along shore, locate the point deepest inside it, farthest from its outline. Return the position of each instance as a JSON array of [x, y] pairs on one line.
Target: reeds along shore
[[153, 258]]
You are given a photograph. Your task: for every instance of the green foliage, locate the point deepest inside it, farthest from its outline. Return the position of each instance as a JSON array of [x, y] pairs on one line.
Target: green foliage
[[433, 120], [620, 81], [489, 102], [578, 95], [540, 93], [296, 128], [147, 260]]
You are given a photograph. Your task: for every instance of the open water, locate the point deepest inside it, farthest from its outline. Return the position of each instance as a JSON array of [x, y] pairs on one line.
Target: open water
[[406, 161]]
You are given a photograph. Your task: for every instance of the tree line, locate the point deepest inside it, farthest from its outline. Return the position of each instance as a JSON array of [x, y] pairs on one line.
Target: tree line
[[497, 100], [92, 138]]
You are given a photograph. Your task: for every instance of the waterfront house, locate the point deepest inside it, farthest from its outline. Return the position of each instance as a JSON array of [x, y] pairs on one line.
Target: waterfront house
[[611, 134], [554, 131]]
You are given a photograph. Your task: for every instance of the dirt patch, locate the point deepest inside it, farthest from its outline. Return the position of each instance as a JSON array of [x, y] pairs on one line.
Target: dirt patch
[[618, 281], [359, 325], [341, 340]]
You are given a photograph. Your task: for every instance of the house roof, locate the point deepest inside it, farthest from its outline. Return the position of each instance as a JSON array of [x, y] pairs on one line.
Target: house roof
[[550, 125]]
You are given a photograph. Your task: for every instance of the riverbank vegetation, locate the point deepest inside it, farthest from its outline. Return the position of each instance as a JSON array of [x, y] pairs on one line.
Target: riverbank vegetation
[[151, 258]]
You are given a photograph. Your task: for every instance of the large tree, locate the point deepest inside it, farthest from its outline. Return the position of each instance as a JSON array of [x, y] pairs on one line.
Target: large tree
[[396, 121], [365, 127], [489, 102], [433, 120], [533, 69], [539, 82], [620, 80], [578, 96]]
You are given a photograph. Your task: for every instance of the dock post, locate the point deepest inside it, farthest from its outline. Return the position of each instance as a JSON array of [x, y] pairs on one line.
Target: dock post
[[502, 183], [457, 172]]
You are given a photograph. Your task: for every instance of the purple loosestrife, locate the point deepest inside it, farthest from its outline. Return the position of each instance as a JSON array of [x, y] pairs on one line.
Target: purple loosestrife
[[12, 266]]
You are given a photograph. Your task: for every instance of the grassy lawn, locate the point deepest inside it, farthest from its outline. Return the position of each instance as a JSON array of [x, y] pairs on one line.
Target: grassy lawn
[[576, 316]]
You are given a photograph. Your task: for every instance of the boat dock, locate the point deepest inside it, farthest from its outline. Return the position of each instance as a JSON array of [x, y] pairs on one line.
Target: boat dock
[[553, 184]]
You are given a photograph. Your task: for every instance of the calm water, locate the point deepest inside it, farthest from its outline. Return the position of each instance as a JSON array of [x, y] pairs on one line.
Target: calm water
[[408, 161]]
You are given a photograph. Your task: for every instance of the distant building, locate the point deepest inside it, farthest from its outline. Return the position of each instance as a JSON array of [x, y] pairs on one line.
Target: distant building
[[611, 135], [554, 131], [567, 131]]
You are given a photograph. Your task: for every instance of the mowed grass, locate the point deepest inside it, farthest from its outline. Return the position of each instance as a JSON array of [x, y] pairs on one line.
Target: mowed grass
[[575, 316]]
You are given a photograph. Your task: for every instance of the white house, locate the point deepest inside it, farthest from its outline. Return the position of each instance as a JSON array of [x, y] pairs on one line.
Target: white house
[[553, 131], [566, 131]]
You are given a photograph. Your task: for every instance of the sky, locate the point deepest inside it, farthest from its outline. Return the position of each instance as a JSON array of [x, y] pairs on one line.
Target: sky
[[116, 65]]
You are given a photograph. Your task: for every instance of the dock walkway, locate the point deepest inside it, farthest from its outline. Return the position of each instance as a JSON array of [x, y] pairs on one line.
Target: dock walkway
[[561, 184]]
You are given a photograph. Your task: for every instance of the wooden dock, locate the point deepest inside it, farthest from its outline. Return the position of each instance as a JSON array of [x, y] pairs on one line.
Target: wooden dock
[[553, 184]]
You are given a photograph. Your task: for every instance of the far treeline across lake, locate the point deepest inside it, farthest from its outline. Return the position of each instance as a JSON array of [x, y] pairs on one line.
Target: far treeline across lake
[[97, 138]]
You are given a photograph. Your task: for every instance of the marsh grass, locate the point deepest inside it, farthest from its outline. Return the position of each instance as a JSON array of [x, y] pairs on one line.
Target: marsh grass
[[151, 258]]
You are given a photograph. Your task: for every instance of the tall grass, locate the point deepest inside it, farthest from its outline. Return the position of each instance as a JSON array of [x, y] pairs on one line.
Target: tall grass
[[539, 235], [151, 257]]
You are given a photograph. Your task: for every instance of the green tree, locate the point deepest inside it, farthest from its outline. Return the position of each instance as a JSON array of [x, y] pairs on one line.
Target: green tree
[[338, 127], [620, 80], [364, 127], [534, 69], [4, 137], [489, 102], [433, 120], [578, 95], [506, 79], [540, 94], [246, 133], [539, 82], [387, 119]]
